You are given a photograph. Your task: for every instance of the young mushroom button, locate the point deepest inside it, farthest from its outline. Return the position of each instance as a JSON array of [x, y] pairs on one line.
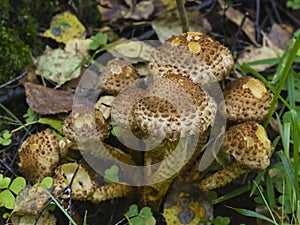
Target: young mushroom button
[[116, 76], [194, 55], [251, 149], [247, 98]]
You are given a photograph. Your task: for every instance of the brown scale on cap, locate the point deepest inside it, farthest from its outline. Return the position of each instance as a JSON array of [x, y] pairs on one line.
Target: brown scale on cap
[[116, 76], [39, 155], [85, 123], [247, 98], [194, 55], [173, 106], [248, 143]]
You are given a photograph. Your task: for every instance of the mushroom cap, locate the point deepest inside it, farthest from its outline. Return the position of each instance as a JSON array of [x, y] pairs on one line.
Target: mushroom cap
[[248, 143], [85, 124], [170, 107], [83, 184], [194, 55], [116, 76], [39, 155], [247, 98]]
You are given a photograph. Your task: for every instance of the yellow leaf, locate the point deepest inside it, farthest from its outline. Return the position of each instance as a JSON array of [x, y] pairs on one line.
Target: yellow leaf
[[64, 27]]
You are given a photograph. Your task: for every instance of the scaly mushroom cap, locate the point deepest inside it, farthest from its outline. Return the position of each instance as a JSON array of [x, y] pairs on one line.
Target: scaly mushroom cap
[[247, 98], [85, 123], [194, 55], [83, 185], [248, 143], [116, 76], [39, 155], [182, 109]]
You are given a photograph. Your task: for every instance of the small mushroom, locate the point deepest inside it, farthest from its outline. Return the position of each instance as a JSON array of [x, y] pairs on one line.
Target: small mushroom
[[247, 98], [251, 149], [194, 55], [85, 124], [116, 76], [39, 155], [83, 185]]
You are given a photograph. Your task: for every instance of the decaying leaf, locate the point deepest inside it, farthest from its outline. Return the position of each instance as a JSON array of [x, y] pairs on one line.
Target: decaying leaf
[[168, 24], [31, 200], [58, 66], [45, 100], [78, 47], [252, 53], [280, 35], [64, 27], [141, 10], [134, 51], [45, 219]]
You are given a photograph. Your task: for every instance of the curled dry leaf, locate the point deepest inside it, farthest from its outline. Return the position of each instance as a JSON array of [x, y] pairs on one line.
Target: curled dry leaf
[[45, 100]]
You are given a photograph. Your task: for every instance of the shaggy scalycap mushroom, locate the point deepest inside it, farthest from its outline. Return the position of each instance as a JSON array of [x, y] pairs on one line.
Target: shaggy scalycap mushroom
[[194, 55], [39, 155], [84, 186], [247, 98], [251, 149], [116, 76], [85, 123], [173, 106]]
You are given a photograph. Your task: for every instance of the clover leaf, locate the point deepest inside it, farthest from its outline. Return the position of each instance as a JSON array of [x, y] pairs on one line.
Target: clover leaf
[[99, 39]]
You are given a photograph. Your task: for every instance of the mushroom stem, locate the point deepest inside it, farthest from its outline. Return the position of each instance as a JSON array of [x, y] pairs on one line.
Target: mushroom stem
[[222, 177], [182, 16]]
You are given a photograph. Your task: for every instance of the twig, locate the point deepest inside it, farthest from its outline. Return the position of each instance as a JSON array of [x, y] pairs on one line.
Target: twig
[[182, 16]]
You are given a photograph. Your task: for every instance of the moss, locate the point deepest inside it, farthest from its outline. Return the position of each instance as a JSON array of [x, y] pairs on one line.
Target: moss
[[15, 54]]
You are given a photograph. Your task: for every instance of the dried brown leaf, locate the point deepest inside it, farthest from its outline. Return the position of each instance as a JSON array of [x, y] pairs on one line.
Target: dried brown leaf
[[46, 100]]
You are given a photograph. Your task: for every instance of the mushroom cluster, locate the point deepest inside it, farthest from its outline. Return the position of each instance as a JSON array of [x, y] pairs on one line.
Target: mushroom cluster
[[170, 114]]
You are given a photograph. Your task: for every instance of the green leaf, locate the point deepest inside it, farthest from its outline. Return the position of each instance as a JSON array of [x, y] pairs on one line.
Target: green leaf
[[17, 185], [221, 220], [111, 175], [145, 212], [30, 115], [47, 182], [54, 123], [4, 182], [137, 221], [7, 199], [133, 211], [5, 140], [246, 212], [99, 39]]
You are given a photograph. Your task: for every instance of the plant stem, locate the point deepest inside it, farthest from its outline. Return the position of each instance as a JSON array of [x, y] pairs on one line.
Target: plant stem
[[182, 16]]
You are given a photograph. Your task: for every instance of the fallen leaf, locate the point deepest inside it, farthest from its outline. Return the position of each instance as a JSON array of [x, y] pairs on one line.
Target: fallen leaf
[[168, 24], [64, 27], [280, 35], [140, 11], [252, 53], [45, 100], [134, 51], [31, 200], [58, 66], [78, 47]]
